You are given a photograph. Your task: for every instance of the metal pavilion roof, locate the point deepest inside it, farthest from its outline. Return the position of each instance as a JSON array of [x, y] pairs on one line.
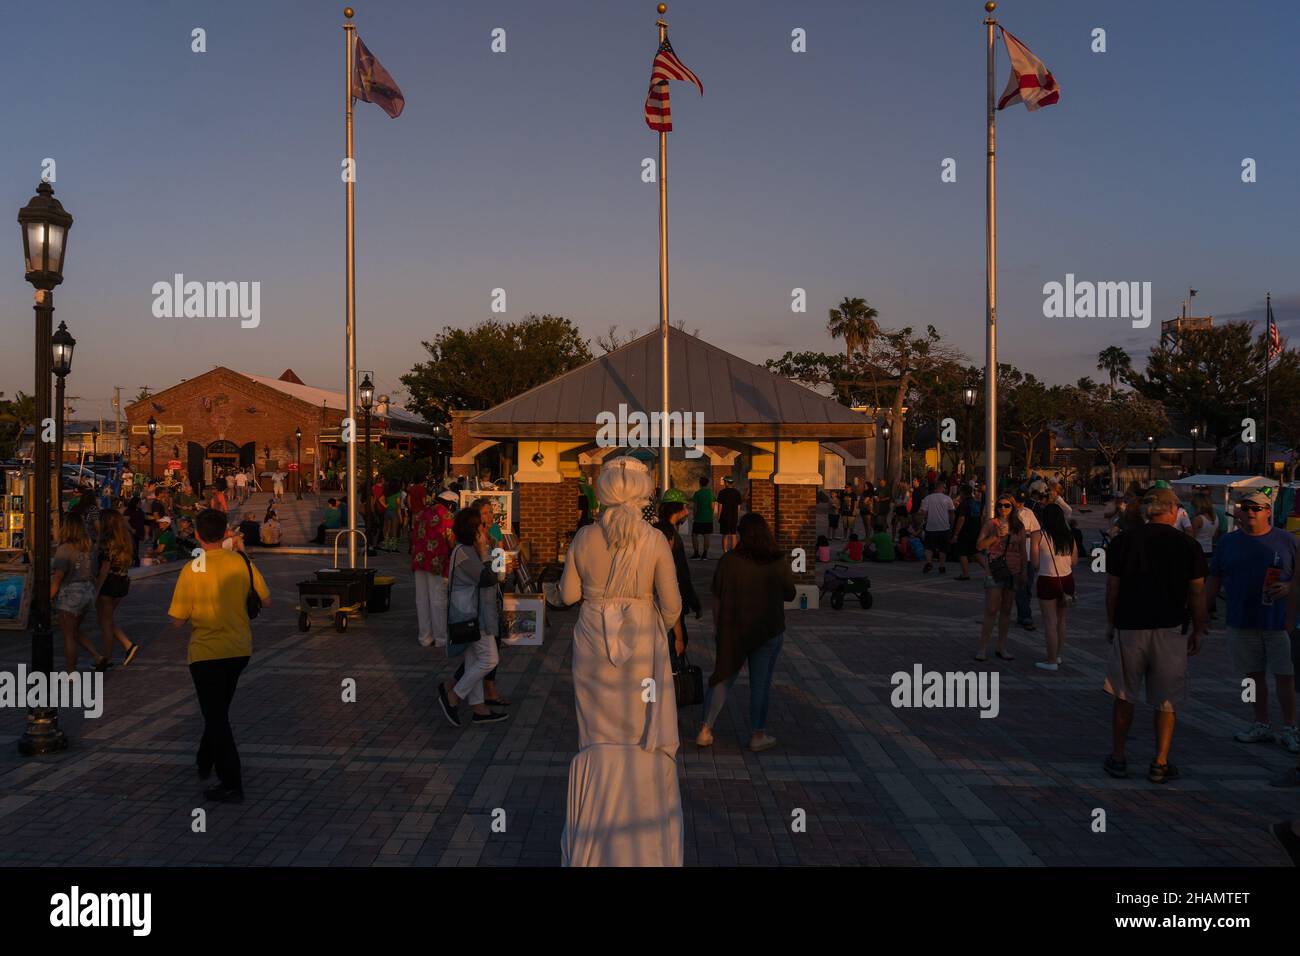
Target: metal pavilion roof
[[737, 398]]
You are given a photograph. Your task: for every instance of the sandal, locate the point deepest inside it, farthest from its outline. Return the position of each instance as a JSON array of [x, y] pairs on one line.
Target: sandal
[[497, 702], [1005, 657], [982, 658]]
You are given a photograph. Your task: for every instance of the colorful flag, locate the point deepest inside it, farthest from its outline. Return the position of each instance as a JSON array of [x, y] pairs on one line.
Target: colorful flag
[[373, 84], [658, 112], [1031, 82], [1274, 338]]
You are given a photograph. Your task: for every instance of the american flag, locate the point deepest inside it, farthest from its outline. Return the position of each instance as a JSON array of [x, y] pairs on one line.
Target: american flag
[[658, 112], [1274, 338]]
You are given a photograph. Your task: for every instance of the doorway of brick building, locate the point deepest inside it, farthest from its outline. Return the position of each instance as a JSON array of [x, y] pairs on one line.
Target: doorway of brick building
[[223, 458]]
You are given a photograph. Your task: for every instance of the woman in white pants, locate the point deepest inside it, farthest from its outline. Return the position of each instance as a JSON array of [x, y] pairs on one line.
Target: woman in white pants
[[472, 595], [431, 544]]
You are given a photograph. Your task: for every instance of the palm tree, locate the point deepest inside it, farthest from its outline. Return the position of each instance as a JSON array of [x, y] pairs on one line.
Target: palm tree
[[855, 322], [1114, 361], [17, 413]]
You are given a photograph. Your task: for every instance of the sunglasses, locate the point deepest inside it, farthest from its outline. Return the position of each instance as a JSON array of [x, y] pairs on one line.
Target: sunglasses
[[1255, 508], [1004, 504]]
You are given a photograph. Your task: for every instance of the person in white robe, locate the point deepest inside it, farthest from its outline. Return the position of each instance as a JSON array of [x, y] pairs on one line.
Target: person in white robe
[[624, 806]]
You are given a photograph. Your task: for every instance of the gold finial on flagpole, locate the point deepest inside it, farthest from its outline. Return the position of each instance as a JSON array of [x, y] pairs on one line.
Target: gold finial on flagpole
[[990, 6], [663, 8], [347, 12]]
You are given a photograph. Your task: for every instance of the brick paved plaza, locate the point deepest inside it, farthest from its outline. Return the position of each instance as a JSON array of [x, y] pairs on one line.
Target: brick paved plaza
[[385, 780]]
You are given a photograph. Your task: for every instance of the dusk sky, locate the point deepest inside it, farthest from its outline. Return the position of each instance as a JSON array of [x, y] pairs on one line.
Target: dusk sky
[[521, 170]]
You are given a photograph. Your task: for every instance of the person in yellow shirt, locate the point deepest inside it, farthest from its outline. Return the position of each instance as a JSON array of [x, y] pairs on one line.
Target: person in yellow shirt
[[211, 595]]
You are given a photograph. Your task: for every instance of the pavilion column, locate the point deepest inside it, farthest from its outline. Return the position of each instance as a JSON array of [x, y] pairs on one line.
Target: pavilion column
[[795, 487], [760, 501], [548, 496]]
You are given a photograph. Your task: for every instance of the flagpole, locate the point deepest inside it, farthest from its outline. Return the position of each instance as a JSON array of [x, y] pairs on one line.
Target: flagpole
[[663, 278], [991, 285], [349, 33], [1267, 470]]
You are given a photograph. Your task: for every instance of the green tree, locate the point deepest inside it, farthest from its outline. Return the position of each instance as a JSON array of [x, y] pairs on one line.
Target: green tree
[[1115, 362], [1030, 407], [16, 414], [494, 361], [1112, 421], [854, 322]]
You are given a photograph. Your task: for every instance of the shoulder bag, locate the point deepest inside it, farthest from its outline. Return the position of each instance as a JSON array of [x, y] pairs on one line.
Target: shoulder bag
[[1067, 600], [462, 632], [252, 603], [999, 570]]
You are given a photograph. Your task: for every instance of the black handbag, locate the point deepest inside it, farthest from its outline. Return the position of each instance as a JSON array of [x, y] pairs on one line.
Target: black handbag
[[999, 570], [688, 682], [252, 603], [461, 632]]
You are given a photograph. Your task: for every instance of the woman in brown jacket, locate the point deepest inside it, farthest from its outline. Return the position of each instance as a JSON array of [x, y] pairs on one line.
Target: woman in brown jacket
[[751, 584]]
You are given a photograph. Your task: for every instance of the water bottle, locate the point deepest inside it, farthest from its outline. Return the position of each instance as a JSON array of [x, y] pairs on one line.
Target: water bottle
[[803, 600], [1271, 577]]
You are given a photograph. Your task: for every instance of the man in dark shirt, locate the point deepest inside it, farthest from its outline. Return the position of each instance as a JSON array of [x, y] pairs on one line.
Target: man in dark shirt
[[729, 500], [1156, 575]]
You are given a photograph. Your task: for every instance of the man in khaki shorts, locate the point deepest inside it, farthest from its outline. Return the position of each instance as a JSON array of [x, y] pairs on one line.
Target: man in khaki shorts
[[1155, 576], [1256, 567]]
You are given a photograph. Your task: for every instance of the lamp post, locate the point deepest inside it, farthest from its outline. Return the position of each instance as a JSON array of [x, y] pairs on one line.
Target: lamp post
[[884, 433], [62, 343], [968, 396], [1151, 455], [1196, 433], [44, 224], [367, 390], [297, 433], [94, 444], [153, 431]]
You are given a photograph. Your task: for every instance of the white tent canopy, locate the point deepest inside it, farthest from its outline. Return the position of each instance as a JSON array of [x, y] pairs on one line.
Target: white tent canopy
[[1223, 488]]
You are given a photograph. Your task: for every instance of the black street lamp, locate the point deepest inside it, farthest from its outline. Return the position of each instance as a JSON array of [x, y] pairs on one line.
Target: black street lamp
[[1196, 433], [44, 224], [885, 432], [297, 433], [94, 443], [968, 396], [1151, 455], [61, 344], [153, 430], [367, 390]]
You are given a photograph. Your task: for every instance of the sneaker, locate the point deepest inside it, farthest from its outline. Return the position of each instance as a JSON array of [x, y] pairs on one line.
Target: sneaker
[[1289, 779], [451, 713], [1162, 772], [1116, 768], [1284, 835], [1044, 666], [705, 737], [1254, 734], [926, 569], [761, 741], [491, 717], [1289, 738]]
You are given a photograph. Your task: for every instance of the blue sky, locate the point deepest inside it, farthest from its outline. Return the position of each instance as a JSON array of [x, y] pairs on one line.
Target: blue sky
[[521, 171]]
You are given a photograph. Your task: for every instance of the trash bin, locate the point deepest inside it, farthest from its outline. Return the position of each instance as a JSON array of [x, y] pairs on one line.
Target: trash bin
[[381, 594]]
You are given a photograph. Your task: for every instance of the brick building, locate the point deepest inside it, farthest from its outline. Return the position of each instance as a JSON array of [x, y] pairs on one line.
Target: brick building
[[763, 430], [225, 419]]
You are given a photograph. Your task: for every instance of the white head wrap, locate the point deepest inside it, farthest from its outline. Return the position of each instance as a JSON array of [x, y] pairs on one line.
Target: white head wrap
[[623, 488]]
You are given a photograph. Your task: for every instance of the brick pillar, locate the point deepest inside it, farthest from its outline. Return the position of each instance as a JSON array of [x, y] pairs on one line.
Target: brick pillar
[[797, 525], [546, 510], [760, 498]]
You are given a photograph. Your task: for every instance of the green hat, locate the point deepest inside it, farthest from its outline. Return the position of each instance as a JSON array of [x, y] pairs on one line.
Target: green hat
[[674, 496], [1161, 484]]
